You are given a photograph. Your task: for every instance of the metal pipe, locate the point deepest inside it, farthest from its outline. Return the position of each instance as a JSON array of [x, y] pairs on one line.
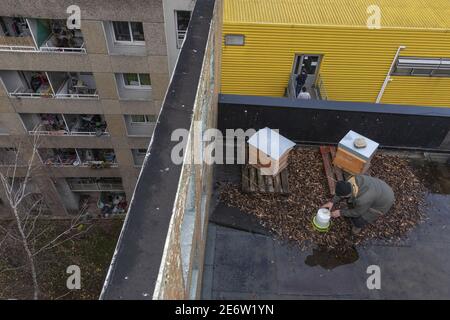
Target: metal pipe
[[388, 76]]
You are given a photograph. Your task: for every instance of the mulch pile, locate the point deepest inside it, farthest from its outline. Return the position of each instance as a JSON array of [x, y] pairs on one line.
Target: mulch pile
[[289, 217]]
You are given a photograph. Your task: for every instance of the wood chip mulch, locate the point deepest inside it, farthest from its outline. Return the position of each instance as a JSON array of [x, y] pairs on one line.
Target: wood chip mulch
[[289, 217]]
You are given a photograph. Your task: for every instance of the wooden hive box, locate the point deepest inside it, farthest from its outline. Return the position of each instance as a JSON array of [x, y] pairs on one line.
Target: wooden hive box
[[269, 151], [352, 159]]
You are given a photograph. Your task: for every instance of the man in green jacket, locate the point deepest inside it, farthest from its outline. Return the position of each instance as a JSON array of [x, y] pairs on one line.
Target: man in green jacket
[[367, 199]]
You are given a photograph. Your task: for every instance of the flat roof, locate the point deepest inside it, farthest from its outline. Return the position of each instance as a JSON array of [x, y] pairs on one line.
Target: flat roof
[[244, 261], [137, 259], [405, 14]]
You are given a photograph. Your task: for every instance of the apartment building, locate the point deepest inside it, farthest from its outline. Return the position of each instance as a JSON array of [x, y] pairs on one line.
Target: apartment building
[[90, 96]]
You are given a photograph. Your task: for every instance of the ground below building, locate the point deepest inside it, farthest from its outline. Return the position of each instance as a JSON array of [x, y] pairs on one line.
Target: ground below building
[[91, 251]]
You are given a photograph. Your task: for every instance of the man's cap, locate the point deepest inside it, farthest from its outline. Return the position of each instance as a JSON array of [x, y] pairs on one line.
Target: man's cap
[[343, 188]]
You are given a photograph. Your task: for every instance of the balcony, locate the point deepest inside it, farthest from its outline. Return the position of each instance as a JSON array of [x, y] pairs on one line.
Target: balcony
[[97, 158], [15, 35], [9, 157], [72, 85], [27, 84], [54, 36], [140, 125], [104, 203], [93, 158], [59, 157], [68, 124], [59, 85], [95, 184], [39, 35], [86, 125]]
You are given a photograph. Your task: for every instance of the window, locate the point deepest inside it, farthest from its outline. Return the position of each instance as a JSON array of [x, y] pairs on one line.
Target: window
[[234, 40], [137, 31], [422, 72], [182, 19], [137, 80], [142, 152], [428, 67], [143, 119], [441, 73], [128, 32]]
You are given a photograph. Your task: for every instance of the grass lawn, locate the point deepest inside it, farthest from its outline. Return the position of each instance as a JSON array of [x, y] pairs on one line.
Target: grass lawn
[[91, 251]]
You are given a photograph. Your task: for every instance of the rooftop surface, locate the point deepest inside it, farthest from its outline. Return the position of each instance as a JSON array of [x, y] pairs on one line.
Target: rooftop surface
[[243, 261], [137, 258], [409, 14]]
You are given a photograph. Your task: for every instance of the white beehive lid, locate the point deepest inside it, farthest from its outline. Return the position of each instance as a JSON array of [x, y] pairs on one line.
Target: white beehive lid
[[271, 143], [364, 153]]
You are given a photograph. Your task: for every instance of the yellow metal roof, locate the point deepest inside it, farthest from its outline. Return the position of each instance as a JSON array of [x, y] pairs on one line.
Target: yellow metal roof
[[410, 14]]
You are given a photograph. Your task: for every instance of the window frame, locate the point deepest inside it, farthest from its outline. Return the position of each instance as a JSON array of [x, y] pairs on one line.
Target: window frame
[[177, 30], [145, 122], [140, 86], [445, 62], [231, 35], [130, 31]]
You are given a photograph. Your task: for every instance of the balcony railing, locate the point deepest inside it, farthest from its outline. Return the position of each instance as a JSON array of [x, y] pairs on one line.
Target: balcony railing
[[48, 133], [77, 95], [291, 91], [5, 47], [17, 44], [51, 44], [76, 162], [99, 186], [46, 48], [96, 159], [22, 92], [321, 90], [60, 124], [65, 132], [317, 91]]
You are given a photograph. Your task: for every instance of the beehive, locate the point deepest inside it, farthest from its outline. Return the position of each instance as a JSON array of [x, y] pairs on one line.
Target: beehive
[[352, 159], [269, 151]]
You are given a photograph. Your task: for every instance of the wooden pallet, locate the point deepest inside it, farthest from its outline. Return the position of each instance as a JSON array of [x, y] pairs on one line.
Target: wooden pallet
[[253, 181], [332, 172]]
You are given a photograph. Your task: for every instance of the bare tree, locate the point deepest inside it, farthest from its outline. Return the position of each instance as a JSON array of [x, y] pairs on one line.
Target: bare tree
[[27, 209]]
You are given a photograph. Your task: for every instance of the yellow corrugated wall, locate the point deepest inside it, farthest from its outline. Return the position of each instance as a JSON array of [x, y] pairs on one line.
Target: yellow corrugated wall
[[355, 61]]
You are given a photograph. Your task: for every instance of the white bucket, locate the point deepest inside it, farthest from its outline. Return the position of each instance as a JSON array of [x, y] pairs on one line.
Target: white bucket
[[322, 219]]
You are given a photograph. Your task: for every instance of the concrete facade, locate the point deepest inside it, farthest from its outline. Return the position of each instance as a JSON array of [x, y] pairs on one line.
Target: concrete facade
[[106, 65]]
